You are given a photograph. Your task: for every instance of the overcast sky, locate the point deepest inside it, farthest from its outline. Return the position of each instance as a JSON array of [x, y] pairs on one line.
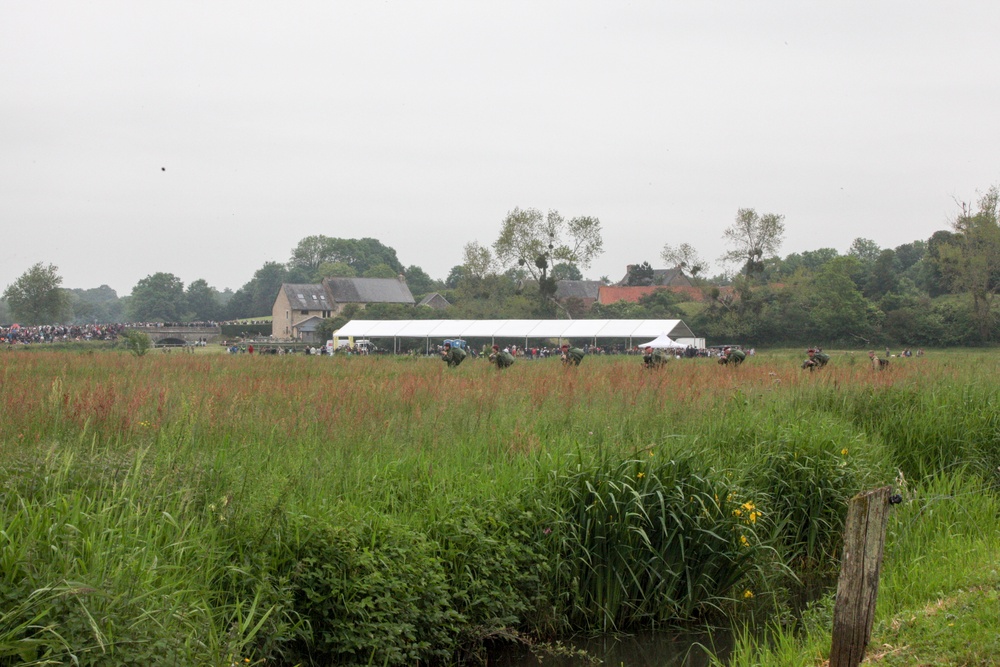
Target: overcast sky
[[204, 139]]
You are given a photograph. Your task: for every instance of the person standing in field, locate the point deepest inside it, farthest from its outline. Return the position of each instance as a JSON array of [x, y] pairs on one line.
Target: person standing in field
[[732, 355], [502, 358], [571, 356], [452, 356], [877, 364]]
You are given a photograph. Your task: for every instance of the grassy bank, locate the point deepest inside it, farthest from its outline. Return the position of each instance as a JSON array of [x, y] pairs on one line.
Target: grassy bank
[[179, 509]]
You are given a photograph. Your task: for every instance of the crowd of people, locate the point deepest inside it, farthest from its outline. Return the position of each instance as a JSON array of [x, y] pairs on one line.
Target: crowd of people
[[15, 334]]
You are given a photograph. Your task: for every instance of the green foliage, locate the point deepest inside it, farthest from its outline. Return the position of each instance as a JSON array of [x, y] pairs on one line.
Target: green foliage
[[361, 255], [202, 302], [100, 304], [373, 594], [526, 235], [232, 330], [157, 298], [36, 296], [640, 275], [753, 239], [644, 541], [136, 342]]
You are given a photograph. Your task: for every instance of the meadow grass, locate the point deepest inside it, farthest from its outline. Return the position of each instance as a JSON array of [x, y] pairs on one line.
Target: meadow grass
[[388, 510]]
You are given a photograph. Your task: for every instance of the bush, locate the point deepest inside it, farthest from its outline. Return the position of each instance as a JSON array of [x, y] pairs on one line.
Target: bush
[[646, 541], [373, 595]]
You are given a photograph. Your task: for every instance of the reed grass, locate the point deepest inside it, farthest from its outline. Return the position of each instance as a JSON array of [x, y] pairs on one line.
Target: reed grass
[[196, 508]]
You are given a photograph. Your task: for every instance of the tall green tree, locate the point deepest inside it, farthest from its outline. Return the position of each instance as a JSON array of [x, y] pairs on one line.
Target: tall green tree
[[202, 301], [839, 309], [36, 296], [686, 258], [98, 304], [752, 238], [641, 275], [419, 282], [972, 260], [313, 252], [158, 298], [536, 242]]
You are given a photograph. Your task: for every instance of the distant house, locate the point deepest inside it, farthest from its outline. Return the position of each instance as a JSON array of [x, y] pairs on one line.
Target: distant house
[[586, 291], [295, 305], [435, 301], [666, 277], [308, 330]]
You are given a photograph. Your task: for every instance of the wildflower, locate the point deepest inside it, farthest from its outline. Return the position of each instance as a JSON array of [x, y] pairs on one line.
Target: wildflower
[[737, 512], [744, 541], [843, 452], [747, 594], [651, 452], [547, 531], [641, 475]]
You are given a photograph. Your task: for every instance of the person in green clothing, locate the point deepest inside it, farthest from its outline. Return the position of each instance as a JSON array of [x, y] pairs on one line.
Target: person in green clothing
[[502, 358], [452, 356], [815, 358], [571, 356], [732, 355], [654, 358]]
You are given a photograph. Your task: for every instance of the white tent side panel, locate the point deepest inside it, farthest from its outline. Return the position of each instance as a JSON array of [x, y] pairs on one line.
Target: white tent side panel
[[555, 329]]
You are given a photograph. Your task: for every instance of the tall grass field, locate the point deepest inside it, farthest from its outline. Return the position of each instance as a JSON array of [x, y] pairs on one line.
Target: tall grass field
[[295, 510]]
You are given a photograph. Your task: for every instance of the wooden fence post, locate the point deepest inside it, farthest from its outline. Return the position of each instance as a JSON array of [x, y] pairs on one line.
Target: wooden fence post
[[857, 588]]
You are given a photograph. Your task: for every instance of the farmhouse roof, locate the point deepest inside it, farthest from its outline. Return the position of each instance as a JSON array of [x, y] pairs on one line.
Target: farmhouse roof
[[306, 297], [577, 289], [434, 300], [368, 290]]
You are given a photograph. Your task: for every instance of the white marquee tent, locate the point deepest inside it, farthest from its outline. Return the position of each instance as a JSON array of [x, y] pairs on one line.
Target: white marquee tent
[[663, 341], [559, 330]]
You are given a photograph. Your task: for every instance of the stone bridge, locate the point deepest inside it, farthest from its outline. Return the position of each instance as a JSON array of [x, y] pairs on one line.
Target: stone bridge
[[172, 336]]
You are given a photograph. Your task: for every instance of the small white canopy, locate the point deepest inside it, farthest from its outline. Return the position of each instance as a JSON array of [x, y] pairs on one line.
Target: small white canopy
[[662, 341]]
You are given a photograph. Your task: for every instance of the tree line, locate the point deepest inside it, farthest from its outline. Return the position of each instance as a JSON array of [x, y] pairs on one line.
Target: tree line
[[934, 292]]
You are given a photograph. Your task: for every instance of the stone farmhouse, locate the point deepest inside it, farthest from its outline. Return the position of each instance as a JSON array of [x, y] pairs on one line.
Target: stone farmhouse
[[298, 309]]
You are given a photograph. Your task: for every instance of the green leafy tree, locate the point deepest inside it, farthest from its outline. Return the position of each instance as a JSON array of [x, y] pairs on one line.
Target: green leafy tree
[[477, 261], [36, 296], [157, 298], [838, 308], [808, 260], [362, 255], [99, 304], [202, 301], [455, 276], [136, 342], [256, 297], [935, 274], [535, 241], [641, 275], [752, 239], [334, 270], [685, 257], [380, 271], [884, 277], [972, 259], [566, 271], [419, 282], [312, 252]]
